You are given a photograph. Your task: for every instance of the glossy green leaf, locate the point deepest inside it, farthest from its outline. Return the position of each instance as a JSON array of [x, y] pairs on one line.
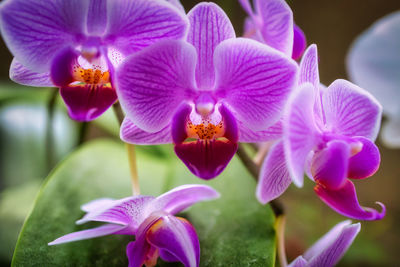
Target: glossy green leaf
[[233, 230]]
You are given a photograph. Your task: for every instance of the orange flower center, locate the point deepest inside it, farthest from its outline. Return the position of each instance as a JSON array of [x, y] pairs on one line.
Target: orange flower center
[[205, 131], [90, 76]]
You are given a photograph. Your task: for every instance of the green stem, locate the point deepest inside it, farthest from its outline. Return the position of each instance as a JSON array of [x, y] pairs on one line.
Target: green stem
[[51, 106], [82, 132], [131, 153], [254, 169]]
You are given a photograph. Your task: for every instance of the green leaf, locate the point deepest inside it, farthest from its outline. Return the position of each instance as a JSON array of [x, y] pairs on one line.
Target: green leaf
[[15, 204], [234, 230]]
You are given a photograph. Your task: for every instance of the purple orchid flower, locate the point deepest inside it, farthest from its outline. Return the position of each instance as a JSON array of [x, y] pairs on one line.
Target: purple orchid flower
[[77, 44], [158, 233], [206, 94], [327, 133], [378, 71], [271, 22], [329, 249]]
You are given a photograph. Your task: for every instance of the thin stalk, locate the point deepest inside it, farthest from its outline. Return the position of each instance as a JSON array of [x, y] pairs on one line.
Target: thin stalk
[[51, 106], [82, 132], [254, 170], [280, 232], [131, 153], [118, 112], [133, 169]]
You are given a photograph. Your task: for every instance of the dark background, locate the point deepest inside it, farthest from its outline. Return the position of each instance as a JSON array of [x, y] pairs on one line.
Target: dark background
[[332, 25]]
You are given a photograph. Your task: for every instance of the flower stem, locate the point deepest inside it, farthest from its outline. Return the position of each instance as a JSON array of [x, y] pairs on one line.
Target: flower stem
[[254, 170], [280, 232], [133, 168], [131, 153], [118, 112], [51, 106]]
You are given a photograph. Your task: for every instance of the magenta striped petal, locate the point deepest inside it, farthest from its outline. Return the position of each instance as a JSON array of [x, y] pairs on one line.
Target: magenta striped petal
[[274, 177], [300, 134], [132, 134], [255, 80], [277, 21], [332, 246], [36, 30], [97, 17], [351, 111], [134, 25], [22, 75], [247, 135], [345, 202], [209, 26], [309, 67], [107, 229], [97, 204], [177, 237], [127, 211], [153, 83], [182, 197]]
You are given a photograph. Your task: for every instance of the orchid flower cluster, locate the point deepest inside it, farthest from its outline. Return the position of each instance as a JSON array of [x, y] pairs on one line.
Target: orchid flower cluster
[[187, 79]]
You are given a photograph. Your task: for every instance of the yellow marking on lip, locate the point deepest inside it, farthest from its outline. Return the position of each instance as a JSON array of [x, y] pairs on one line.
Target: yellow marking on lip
[[91, 76], [205, 130]]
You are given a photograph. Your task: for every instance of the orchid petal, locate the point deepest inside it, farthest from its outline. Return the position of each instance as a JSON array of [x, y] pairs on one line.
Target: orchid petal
[[299, 131], [390, 132], [206, 159], [378, 71], [176, 236], [309, 67], [137, 251], [132, 134], [344, 201], [35, 30], [62, 65], [250, 30], [22, 75], [107, 229], [153, 83], [331, 247], [330, 165], [97, 204], [247, 135], [274, 177], [309, 73], [366, 162], [182, 197], [127, 211], [134, 25], [86, 103], [277, 24], [97, 17], [209, 26], [246, 6], [178, 5], [254, 79], [299, 42], [351, 111], [178, 124], [298, 262]]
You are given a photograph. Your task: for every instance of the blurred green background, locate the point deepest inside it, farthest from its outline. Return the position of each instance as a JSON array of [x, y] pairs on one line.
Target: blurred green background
[[26, 142]]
